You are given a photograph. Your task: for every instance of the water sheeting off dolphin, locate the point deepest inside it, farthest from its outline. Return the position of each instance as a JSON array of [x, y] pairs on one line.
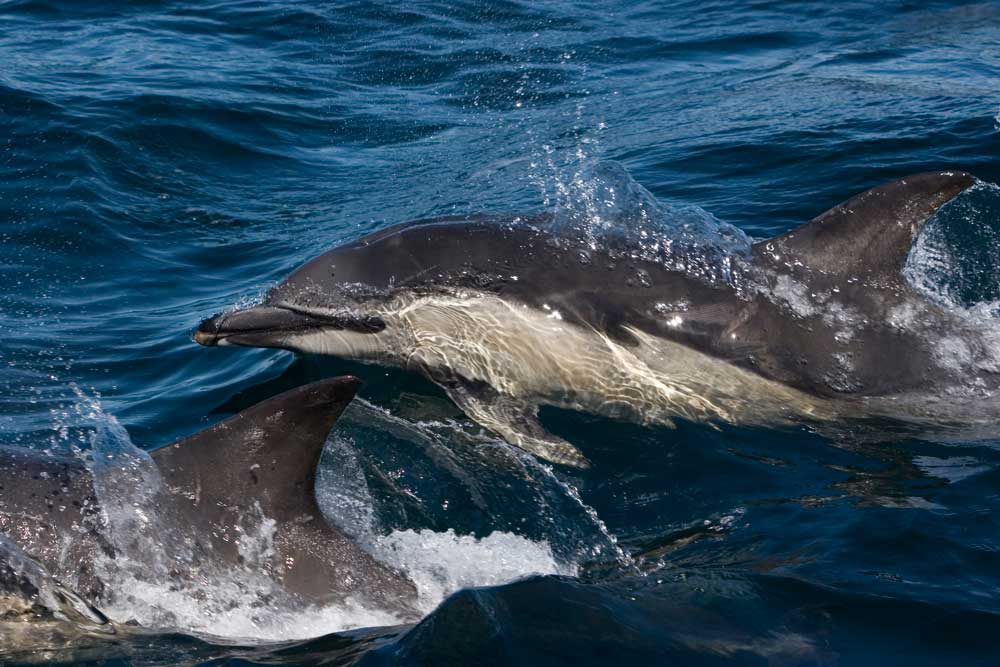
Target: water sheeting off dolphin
[[510, 314], [214, 488]]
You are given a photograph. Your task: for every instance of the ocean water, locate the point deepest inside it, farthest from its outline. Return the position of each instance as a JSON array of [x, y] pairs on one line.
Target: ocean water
[[160, 161]]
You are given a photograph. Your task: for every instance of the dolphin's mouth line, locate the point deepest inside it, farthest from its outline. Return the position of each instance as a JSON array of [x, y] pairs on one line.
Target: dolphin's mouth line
[[268, 325], [344, 320]]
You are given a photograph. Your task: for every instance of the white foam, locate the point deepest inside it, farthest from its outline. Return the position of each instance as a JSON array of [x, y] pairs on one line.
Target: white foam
[[245, 604], [954, 353], [794, 295], [232, 608], [945, 264], [906, 315], [442, 563]]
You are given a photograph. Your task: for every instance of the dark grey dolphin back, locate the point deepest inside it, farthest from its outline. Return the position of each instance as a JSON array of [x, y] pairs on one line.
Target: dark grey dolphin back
[[869, 236], [831, 324], [266, 455], [514, 257], [261, 464]]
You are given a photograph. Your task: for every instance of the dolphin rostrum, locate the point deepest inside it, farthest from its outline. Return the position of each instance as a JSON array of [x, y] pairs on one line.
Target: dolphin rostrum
[[214, 486], [510, 314]]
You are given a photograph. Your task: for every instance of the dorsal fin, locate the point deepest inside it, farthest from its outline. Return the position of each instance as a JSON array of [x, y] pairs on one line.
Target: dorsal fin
[[261, 464], [869, 235], [266, 454]]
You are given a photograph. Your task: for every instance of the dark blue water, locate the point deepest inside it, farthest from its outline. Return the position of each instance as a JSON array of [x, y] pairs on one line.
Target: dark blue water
[[162, 160]]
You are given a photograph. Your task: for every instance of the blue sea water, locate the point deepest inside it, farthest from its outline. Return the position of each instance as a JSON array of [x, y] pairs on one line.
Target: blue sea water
[[160, 161]]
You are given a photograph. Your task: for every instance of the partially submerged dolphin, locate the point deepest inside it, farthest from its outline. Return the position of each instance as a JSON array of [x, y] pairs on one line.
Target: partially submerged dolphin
[[258, 465], [508, 315]]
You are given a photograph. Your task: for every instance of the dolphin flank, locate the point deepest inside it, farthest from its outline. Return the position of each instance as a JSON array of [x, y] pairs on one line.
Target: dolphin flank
[[507, 315]]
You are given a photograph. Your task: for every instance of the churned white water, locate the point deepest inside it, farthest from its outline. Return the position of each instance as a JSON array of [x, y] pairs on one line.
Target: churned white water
[[245, 604], [442, 563], [159, 581]]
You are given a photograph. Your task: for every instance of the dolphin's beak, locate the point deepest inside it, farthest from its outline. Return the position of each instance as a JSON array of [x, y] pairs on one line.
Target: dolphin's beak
[[270, 326], [202, 335], [259, 322]]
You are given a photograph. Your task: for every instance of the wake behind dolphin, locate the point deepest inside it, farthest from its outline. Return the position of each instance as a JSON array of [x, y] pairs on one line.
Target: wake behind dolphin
[[509, 314]]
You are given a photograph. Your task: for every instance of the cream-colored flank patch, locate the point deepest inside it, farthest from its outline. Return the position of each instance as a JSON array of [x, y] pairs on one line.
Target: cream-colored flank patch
[[527, 354]]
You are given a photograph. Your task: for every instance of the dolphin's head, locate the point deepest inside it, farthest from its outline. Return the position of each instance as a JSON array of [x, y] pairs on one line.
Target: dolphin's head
[[337, 302], [348, 302]]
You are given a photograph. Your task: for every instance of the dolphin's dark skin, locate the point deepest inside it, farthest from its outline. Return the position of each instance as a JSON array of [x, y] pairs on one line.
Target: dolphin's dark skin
[[815, 310], [265, 456]]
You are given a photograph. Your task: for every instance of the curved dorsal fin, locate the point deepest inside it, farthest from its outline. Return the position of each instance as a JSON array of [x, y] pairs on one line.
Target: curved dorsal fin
[[266, 454], [869, 235], [262, 463]]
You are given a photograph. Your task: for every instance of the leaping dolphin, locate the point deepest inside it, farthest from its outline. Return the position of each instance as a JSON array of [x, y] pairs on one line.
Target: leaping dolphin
[[259, 464], [509, 314]]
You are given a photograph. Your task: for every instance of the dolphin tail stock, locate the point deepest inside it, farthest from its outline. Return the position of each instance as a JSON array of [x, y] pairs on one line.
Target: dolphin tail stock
[[515, 420], [870, 235], [261, 463]]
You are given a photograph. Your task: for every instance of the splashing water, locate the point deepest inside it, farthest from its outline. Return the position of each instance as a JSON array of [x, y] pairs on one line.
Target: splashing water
[[622, 557], [129, 487], [474, 478], [955, 263], [158, 576], [601, 202], [955, 260], [438, 563], [442, 563]]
